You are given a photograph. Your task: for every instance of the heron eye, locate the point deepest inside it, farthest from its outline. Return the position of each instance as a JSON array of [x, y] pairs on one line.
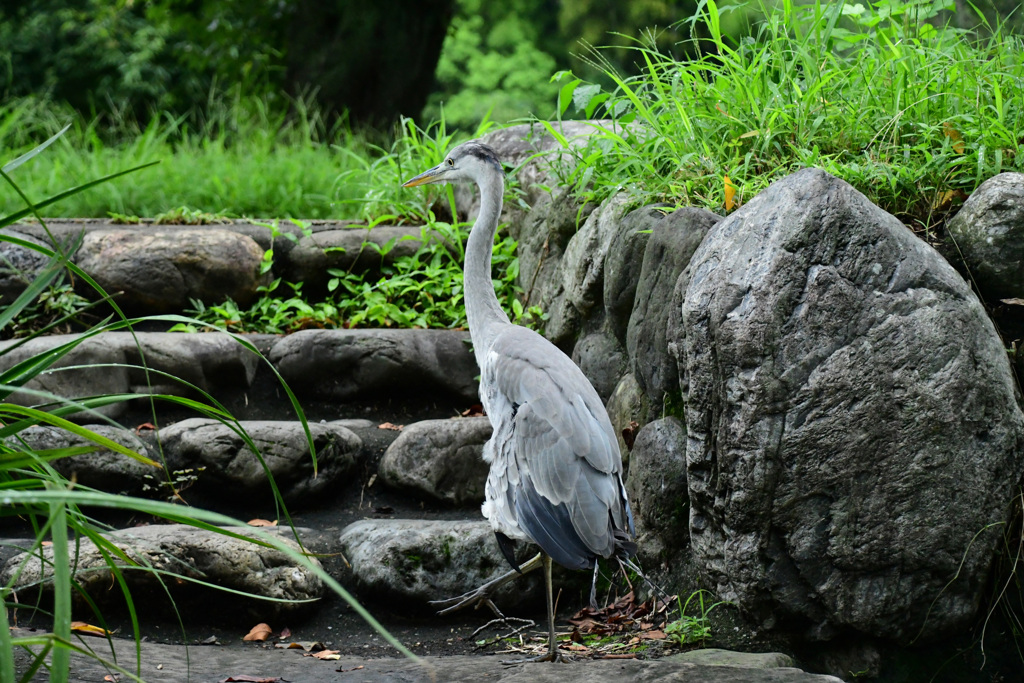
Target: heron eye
[[450, 162]]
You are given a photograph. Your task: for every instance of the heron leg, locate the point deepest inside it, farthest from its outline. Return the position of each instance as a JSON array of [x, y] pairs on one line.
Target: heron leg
[[483, 594], [552, 654]]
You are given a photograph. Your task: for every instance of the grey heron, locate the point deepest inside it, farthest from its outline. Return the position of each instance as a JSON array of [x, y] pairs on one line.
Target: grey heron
[[555, 468]]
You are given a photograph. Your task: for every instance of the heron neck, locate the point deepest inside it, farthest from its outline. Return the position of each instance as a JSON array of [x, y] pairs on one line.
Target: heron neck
[[483, 311]]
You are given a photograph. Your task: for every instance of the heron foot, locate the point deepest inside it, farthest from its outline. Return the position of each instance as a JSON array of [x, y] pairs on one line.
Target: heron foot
[[474, 598], [483, 594], [550, 656]]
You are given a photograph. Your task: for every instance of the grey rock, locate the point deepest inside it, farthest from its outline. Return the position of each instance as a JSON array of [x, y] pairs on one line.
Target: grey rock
[[19, 265], [623, 265], [603, 359], [189, 552], [102, 469], [741, 660], [626, 406], [354, 423], [668, 251], [77, 374], [989, 233], [853, 437], [542, 240], [657, 483], [579, 283], [537, 157], [214, 363], [417, 561], [159, 271], [343, 365], [164, 663], [352, 248], [440, 459], [235, 471]]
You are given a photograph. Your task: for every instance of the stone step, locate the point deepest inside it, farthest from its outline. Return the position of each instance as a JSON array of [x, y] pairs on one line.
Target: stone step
[[404, 366], [164, 663], [160, 268]]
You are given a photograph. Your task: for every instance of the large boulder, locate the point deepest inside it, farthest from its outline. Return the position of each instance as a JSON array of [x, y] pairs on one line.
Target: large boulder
[[343, 365], [578, 284], [542, 240], [194, 554], [853, 437], [628, 408], [440, 459], [667, 253], [989, 234], [160, 271], [603, 359], [623, 265], [537, 158], [657, 484], [415, 561], [231, 467]]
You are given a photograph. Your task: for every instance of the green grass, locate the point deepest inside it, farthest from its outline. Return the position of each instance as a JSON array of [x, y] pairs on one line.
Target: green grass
[[913, 116], [242, 160]]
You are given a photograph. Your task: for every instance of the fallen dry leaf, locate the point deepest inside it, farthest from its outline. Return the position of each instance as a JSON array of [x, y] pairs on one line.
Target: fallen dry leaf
[[261, 522], [285, 633], [629, 434], [1013, 302], [392, 427], [475, 410], [325, 654], [113, 678], [148, 426], [308, 645], [89, 629], [259, 632]]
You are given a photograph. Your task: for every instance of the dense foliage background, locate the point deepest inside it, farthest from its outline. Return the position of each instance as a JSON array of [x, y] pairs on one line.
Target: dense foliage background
[[372, 62]]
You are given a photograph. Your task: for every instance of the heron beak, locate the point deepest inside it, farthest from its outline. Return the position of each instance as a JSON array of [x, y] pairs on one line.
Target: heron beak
[[434, 175]]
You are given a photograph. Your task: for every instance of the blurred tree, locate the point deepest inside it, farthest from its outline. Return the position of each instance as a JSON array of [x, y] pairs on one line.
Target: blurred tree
[[93, 54], [498, 60], [375, 59], [613, 24]]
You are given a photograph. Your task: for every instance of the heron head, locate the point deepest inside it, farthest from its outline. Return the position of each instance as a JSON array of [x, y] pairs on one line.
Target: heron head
[[469, 161]]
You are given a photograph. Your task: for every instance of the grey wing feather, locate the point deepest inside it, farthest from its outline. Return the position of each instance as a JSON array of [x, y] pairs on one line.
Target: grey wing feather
[[555, 461]]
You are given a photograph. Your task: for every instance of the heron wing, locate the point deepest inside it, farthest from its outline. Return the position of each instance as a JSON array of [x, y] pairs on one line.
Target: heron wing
[[555, 460]]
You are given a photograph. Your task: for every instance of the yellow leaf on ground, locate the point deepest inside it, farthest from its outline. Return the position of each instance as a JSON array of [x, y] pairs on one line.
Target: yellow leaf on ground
[[326, 654], [259, 632], [89, 629], [261, 522]]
